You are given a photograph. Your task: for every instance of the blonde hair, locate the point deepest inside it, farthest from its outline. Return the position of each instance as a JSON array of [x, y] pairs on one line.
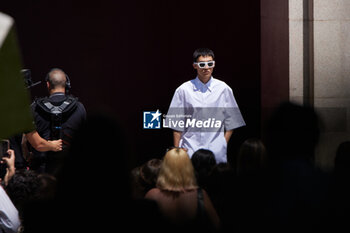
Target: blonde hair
[[176, 172]]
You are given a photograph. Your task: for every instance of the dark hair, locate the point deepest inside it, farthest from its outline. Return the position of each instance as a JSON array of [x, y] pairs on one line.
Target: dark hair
[[205, 52], [203, 162], [23, 188], [251, 157], [203, 157], [293, 130], [149, 171], [342, 158], [47, 186]]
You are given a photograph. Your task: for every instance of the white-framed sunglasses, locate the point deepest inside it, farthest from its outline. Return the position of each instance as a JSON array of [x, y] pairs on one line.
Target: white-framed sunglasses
[[202, 64]]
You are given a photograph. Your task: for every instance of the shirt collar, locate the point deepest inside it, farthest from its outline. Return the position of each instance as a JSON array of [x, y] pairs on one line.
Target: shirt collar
[[202, 86], [57, 93]]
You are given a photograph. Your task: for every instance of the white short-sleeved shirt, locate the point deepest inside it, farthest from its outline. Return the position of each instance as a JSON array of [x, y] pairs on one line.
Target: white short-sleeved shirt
[[216, 100], [9, 219]]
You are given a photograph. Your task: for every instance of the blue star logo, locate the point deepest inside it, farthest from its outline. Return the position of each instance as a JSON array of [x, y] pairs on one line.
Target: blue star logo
[[151, 120]]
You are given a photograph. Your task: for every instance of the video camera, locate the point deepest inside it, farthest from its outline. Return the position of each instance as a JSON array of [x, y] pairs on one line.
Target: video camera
[[27, 75]]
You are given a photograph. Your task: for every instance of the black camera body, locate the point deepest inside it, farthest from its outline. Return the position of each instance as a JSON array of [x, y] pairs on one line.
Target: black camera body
[[27, 75], [4, 147]]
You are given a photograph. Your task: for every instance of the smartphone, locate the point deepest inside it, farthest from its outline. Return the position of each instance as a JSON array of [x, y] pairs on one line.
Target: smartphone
[[4, 147]]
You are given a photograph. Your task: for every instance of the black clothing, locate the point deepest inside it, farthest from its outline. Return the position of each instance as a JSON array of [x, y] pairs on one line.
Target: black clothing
[[71, 122]]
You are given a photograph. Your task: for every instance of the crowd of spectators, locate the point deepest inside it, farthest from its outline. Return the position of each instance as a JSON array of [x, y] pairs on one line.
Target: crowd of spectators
[[273, 185]]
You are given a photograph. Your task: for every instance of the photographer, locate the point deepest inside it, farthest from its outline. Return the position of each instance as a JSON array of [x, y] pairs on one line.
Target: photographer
[[57, 117], [18, 142]]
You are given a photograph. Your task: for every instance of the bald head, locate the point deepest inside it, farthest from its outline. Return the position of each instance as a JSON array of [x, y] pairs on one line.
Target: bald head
[[56, 79]]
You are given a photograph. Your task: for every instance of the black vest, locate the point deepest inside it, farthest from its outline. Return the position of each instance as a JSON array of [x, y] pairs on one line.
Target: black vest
[[57, 113]]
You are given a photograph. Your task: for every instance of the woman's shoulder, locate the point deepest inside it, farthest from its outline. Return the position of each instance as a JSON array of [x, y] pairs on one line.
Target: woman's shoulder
[[154, 192]]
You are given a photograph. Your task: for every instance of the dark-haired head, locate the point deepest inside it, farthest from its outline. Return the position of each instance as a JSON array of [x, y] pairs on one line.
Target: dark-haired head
[[203, 162], [97, 156], [149, 171], [251, 157], [203, 157], [342, 158], [293, 131], [23, 188], [204, 52]]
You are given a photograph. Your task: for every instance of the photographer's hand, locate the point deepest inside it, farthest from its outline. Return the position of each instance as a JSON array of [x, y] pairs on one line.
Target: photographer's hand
[[10, 170]]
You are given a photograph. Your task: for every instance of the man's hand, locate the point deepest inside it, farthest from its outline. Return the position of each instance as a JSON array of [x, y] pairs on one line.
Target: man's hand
[[228, 135], [41, 144], [177, 137], [56, 145]]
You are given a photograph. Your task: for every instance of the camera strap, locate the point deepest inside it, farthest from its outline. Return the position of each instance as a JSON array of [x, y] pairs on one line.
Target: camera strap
[[58, 113], [64, 107], [57, 109]]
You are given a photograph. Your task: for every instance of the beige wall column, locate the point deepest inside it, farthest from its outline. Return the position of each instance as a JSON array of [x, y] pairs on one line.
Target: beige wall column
[[319, 68], [305, 52], [332, 75]]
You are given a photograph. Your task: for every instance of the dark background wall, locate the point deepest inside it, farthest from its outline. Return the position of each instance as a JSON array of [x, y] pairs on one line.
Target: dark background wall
[[126, 58], [274, 72]]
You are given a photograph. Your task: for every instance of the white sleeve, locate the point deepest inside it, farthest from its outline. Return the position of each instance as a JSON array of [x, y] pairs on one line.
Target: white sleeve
[[9, 220], [233, 116], [177, 100]]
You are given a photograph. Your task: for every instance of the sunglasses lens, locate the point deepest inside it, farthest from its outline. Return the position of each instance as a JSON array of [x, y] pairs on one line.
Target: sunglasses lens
[[210, 64], [201, 65]]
